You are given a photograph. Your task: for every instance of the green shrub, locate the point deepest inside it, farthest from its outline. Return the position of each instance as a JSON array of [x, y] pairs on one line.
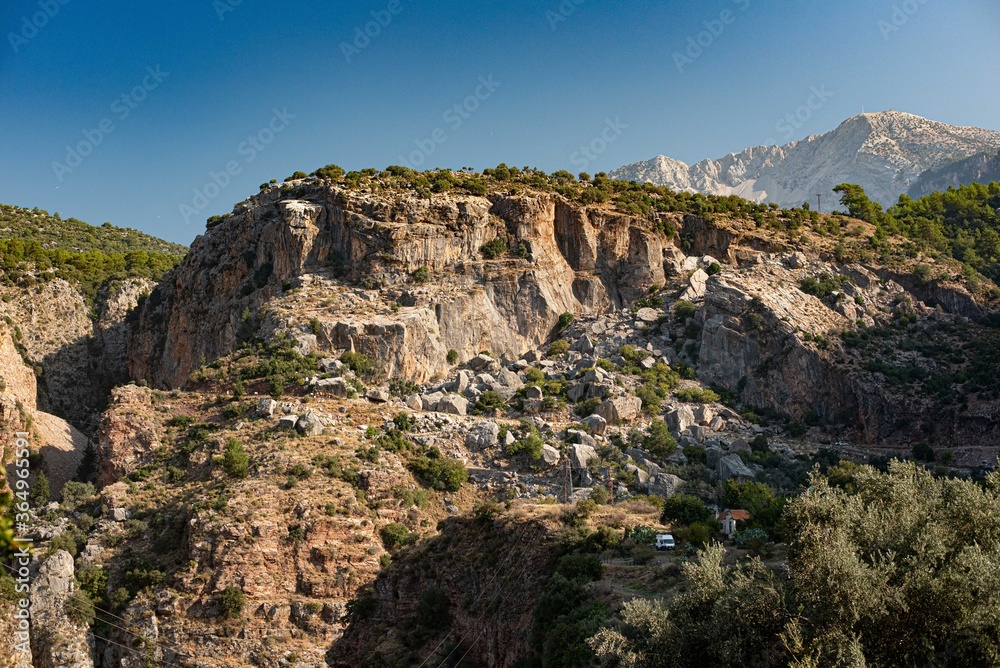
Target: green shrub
[[438, 473], [359, 363], [80, 609], [559, 347], [923, 452], [696, 395], [234, 460], [231, 602], [565, 320], [489, 400], [433, 611], [684, 310], [494, 248], [395, 536], [39, 493], [452, 357], [684, 509], [658, 441], [330, 172], [531, 445], [421, 275], [76, 494], [713, 269]]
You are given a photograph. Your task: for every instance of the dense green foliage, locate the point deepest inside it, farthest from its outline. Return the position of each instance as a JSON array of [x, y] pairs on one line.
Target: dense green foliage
[[37, 247], [438, 472], [884, 569], [961, 222], [231, 602]]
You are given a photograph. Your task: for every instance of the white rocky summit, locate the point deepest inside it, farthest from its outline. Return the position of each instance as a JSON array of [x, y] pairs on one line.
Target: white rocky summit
[[884, 152]]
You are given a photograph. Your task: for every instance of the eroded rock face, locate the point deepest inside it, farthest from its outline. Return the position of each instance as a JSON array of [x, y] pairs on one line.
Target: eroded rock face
[[82, 359], [751, 343], [580, 260], [60, 444], [127, 437], [56, 640]]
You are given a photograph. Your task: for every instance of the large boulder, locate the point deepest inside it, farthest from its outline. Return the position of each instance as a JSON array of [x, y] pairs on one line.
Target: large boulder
[[509, 379], [679, 419], [334, 386], [482, 436], [697, 286], [580, 455], [550, 455], [56, 640], [732, 466], [453, 404], [596, 424], [266, 407], [620, 409], [309, 424], [664, 484]]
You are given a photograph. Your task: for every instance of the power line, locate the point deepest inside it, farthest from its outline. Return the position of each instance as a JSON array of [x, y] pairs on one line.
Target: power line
[[483, 632], [70, 603], [495, 576]]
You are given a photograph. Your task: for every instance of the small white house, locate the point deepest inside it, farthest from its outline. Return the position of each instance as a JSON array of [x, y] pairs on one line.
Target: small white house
[[729, 520]]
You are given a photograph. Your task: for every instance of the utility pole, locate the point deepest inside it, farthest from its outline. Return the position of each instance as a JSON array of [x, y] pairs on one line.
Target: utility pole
[[611, 486], [567, 480], [819, 202]]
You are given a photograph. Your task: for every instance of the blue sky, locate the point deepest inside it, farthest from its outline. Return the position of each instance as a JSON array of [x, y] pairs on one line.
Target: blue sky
[[184, 108]]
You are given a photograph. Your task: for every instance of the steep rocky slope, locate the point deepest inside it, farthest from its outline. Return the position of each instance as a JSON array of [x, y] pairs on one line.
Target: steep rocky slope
[[982, 168], [884, 152], [60, 444]]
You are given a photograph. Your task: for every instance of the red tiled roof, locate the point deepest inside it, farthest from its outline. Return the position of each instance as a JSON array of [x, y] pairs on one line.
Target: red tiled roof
[[738, 515]]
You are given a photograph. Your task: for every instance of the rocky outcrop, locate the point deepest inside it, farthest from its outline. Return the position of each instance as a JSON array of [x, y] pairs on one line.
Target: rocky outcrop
[[127, 437], [578, 260], [753, 343], [57, 641]]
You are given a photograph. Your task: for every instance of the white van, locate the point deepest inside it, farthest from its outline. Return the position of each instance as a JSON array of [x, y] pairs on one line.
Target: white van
[[664, 541]]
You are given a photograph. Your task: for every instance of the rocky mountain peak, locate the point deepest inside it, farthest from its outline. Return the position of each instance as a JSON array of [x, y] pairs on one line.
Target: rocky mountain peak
[[885, 152]]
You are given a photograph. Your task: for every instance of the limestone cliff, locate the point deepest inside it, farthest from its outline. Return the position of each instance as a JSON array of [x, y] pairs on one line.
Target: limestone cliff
[[573, 260]]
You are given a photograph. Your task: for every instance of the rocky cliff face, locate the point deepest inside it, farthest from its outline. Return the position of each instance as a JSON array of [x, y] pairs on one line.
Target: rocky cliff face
[[79, 359], [60, 444], [983, 168], [884, 152], [574, 260]]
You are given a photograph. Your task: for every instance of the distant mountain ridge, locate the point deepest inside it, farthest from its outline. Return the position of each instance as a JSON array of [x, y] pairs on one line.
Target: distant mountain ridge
[[885, 152]]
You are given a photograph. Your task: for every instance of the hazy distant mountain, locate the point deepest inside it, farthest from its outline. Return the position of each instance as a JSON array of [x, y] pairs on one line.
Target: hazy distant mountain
[[885, 152], [982, 168]]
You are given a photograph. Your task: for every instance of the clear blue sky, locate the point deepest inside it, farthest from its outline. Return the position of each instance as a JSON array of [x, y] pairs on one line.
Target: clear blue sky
[[220, 81]]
